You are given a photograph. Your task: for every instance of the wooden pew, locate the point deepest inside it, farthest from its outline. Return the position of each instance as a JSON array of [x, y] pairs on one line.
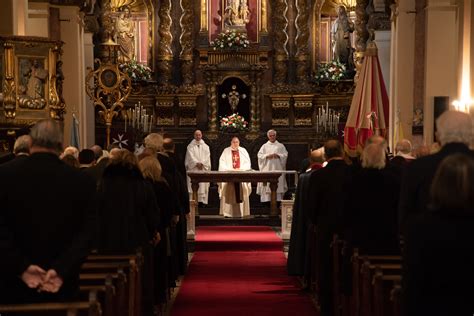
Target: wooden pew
[[120, 284], [337, 245], [384, 287], [367, 274], [89, 308], [108, 292], [131, 266], [358, 261]]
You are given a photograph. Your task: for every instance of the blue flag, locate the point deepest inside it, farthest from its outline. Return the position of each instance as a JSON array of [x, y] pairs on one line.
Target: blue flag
[[75, 141]]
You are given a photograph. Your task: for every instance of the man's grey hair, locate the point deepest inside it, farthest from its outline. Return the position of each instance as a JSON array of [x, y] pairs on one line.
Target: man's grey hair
[[154, 141], [454, 127], [271, 131], [373, 156], [47, 134], [22, 145], [404, 146]]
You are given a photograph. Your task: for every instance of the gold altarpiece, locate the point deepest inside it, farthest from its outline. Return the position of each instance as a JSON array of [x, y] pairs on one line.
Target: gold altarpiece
[[31, 80]]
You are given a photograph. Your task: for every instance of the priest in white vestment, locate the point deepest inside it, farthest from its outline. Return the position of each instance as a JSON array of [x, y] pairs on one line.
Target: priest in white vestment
[[198, 158], [272, 156], [235, 195]]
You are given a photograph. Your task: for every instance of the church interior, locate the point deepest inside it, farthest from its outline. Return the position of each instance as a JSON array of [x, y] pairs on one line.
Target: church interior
[[113, 73]]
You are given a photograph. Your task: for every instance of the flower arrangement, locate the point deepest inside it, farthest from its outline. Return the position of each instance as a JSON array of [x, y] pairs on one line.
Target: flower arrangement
[[136, 71], [230, 39], [333, 70], [234, 122]]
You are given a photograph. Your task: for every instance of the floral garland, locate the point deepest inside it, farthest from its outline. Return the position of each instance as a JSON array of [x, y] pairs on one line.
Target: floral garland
[[234, 121], [136, 71], [333, 70], [230, 39]]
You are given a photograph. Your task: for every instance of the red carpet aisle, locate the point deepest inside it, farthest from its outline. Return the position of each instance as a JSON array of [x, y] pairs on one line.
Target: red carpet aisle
[[239, 270]]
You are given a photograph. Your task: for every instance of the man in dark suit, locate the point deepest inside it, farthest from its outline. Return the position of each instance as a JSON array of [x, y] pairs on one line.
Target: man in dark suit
[[21, 150], [47, 221], [454, 132], [301, 231], [327, 189]]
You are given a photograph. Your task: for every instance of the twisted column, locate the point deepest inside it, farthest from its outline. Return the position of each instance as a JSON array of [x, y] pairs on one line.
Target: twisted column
[[301, 41], [165, 54], [281, 39], [186, 40]]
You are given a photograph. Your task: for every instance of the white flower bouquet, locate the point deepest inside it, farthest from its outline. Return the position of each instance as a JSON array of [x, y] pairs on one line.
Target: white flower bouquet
[[136, 71], [333, 70], [230, 39]]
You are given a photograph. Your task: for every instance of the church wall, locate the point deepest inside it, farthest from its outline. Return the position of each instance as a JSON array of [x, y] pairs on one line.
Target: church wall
[[402, 74], [74, 71], [441, 58], [88, 119], [38, 20], [383, 41], [20, 16], [6, 16]]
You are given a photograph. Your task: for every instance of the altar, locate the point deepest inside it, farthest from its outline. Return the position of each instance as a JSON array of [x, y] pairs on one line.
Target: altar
[[270, 177]]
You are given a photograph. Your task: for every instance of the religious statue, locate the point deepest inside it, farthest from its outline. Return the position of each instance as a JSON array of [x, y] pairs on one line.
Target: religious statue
[[33, 91], [236, 13], [341, 41], [36, 76], [234, 97], [125, 35]]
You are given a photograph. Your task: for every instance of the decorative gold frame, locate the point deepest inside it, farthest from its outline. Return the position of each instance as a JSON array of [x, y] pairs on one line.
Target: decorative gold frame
[[14, 48]]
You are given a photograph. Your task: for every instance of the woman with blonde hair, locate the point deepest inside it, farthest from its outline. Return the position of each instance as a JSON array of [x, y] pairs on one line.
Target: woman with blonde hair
[[165, 251]]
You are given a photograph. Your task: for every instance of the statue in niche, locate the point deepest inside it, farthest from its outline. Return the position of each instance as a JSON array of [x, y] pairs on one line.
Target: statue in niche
[[125, 35], [236, 13], [341, 40], [32, 89]]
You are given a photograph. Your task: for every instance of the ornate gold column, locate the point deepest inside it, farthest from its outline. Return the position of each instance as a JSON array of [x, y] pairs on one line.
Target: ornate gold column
[[165, 54], [301, 41], [57, 107], [263, 17], [316, 31], [204, 27], [186, 41], [9, 89], [212, 95], [281, 39]]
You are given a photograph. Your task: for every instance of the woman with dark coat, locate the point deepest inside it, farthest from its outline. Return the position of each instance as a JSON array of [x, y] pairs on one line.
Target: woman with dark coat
[[129, 216], [438, 258], [151, 169]]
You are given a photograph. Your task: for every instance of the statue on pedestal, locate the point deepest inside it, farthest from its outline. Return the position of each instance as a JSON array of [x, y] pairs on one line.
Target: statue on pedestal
[[125, 29], [236, 13], [341, 40]]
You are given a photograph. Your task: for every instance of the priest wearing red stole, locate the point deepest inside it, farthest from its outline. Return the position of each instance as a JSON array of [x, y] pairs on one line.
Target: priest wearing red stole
[[234, 196]]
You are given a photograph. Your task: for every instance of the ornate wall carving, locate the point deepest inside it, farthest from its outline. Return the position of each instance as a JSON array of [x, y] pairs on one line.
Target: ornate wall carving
[[186, 41], [302, 41], [165, 53], [280, 25]]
